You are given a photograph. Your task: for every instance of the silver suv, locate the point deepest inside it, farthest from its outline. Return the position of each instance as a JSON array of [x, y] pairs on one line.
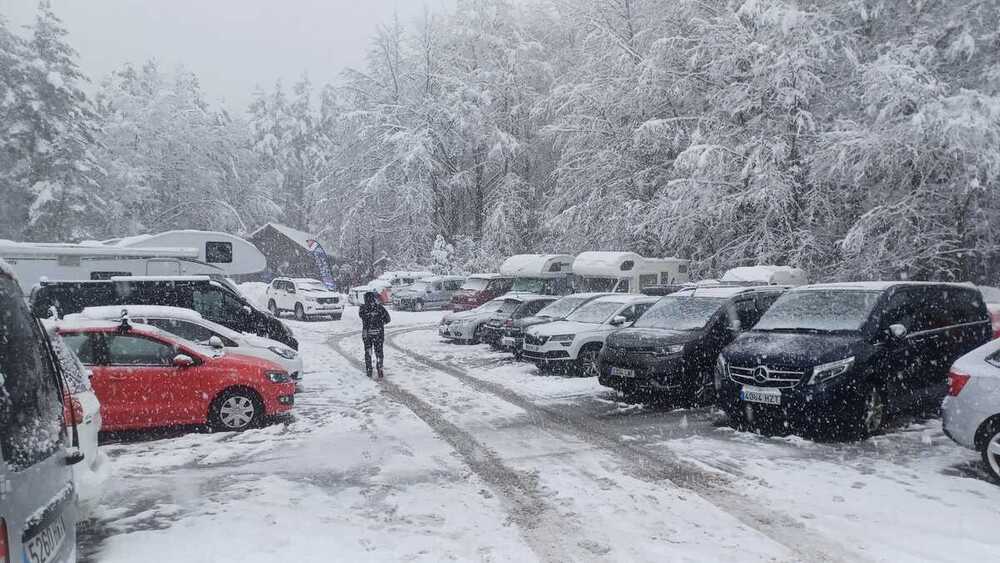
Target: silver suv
[[37, 498], [428, 293]]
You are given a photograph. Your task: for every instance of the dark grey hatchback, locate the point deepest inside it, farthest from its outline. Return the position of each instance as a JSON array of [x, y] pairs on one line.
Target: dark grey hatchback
[[37, 498], [840, 358]]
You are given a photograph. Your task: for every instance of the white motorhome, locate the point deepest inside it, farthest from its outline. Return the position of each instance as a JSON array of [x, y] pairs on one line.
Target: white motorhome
[[545, 274], [626, 272], [766, 275], [175, 253]]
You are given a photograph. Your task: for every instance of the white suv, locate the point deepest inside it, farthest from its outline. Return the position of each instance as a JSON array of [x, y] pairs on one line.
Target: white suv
[[305, 297], [575, 343]]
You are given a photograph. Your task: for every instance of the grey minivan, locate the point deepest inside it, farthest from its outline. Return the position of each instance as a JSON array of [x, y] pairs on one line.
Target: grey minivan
[[427, 293], [37, 499]]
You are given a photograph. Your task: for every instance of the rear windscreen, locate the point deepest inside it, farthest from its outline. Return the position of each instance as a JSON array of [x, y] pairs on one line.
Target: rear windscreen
[[30, 409]]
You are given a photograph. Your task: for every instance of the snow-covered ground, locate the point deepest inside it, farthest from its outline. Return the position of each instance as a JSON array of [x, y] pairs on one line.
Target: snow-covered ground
[[462, 454]]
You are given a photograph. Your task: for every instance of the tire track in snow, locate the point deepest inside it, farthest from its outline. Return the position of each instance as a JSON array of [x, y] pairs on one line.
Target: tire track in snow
[[650, 466], [540, 524]]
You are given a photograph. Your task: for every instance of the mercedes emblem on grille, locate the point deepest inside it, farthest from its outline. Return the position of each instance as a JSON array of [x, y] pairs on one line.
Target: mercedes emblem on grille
[[760, 374]]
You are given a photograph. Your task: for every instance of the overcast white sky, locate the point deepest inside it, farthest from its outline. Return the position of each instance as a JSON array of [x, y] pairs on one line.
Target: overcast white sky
[[232, 45]]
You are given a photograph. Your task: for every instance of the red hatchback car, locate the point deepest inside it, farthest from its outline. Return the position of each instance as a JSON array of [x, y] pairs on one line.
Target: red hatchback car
[[146, 378]]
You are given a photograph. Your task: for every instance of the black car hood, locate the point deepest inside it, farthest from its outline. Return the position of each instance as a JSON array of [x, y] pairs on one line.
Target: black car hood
[[801, 350], [647, 337], [532, 321]]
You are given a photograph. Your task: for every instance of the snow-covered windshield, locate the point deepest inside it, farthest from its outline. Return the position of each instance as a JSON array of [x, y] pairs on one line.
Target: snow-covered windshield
[[562, 307], [680, 312], [491, 306], [311, 286], [420, 286], [509, 306], [475, 284], [595, 312], [596, 285], [990, 294], [30, 409], [819, 310]]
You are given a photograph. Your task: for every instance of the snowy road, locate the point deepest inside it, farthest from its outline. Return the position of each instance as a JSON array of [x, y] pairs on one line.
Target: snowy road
[[461, 454]]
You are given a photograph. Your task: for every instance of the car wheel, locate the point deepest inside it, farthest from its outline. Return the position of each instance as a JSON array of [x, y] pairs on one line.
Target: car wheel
[[871, 412], [588, 362], [991, 453], [236, 410], [300, 313], [273, 307], [419, 306]]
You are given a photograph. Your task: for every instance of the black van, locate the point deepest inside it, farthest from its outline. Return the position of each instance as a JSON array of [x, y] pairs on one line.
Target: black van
[[216, 300], [672, 348], [840, 358]]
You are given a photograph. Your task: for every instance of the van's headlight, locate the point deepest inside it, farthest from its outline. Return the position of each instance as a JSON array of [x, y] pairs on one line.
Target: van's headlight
[[825, 372], [277, 376], [670, 350], [283, 352], [721, 371]]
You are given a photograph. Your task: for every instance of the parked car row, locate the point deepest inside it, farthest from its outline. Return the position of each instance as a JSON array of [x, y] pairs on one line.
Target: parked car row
[[838, 359]]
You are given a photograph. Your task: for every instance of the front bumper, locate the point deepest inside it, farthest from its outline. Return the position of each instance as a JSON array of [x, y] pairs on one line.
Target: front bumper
[[456, 331], [666, 374], [323, 309], [546, 353], [825, 407]]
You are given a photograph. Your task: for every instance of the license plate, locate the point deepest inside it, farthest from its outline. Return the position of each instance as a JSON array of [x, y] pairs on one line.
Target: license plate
[[761, 395], [622, 372], [508, 341], [532, 348], [44, 547]]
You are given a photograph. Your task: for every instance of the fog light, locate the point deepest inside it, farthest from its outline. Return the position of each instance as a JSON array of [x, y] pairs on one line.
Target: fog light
[[287, 399]]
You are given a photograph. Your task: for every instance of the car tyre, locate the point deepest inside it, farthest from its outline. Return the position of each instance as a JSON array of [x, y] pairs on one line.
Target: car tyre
[[300, 312], [419, 306], [991, 452], [870, 412], [273, 307], [235, 410], [588, 363]]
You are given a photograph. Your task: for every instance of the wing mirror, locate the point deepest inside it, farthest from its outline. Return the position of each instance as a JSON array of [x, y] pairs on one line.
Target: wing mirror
[[183, 361], [735, 325], [618, 321], [216, 342], [897, 331]]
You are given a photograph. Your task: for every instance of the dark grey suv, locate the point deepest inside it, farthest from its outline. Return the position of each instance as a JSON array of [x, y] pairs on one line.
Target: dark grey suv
[[37, 498]]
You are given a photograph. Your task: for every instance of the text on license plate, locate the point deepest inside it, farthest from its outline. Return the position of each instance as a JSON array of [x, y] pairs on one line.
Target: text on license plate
[[622, 372], [44, 547], [531, 347], [762, 395]]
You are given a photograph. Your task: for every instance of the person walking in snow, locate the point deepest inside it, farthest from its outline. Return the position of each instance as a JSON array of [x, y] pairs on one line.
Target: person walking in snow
[[374, 317]]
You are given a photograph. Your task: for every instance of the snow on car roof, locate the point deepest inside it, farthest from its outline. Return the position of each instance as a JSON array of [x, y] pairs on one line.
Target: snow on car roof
[[159, 278], [592, 295], [626, 298], [722, 292], [114, 311], [871, 285], [536, 264], [483, 276], [77, 323]]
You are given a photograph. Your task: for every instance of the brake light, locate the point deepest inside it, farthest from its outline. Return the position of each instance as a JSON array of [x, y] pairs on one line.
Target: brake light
[[508, 323], [956, 382], [77, 410], [995, 320], [4, 549]]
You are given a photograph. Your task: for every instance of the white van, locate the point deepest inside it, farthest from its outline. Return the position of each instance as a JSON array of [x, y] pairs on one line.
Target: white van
[[543, 274], [384, 286], [626, 272], [766, 275]]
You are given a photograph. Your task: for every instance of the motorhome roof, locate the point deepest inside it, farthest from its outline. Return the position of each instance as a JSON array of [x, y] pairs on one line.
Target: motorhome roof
[[532, 265], [159, 278], [765, 274], [599, 263], [34, 249]]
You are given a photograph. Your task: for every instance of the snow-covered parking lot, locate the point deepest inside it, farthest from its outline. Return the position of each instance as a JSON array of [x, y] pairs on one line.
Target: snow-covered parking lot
[[462, 454]]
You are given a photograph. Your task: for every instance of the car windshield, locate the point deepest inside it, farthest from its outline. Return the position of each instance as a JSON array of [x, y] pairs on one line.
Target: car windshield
[[311, 286], [990, 294], [529, 285], [559, 309], [680, 312], [597, 285], [475, 284], [819, 310], [421, 286], [595, 312], [491, 306]]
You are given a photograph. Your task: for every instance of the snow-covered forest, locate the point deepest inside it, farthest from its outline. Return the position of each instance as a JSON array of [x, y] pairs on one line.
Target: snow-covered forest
[[855, 139]]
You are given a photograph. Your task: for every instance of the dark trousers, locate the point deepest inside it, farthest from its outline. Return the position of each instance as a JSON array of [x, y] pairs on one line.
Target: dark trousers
[[375, 342]]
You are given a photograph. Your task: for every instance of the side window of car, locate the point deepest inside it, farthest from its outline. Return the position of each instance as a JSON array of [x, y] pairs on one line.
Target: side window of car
[[623, 286], [133, 350], [82, 344], [746, 312], [534, 307], [632, 313], [969, 307], [184, 329], [901, 310]]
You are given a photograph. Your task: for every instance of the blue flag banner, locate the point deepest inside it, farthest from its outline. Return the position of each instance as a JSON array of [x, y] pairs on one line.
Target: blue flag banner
[[322, 263]]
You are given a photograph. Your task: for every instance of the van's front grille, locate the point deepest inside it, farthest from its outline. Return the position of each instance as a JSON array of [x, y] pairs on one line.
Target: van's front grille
[[766, 376]]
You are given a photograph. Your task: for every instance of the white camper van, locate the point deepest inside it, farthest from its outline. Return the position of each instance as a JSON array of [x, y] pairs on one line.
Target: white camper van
[[766, 275], [175, 253], [626, 272], [544, 274]]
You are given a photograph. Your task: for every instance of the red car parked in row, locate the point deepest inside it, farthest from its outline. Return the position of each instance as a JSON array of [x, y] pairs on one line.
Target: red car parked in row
[[147, 378], [478, 289]]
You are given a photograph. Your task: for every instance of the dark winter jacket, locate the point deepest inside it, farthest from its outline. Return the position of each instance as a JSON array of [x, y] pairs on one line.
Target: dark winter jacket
[[373, 315]]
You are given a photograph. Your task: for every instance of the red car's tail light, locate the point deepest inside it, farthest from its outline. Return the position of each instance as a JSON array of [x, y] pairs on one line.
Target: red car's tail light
[[4, 548], [77, 410], [995, 320], [956, 382]]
